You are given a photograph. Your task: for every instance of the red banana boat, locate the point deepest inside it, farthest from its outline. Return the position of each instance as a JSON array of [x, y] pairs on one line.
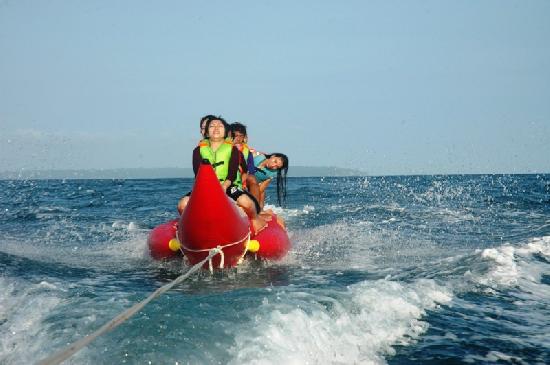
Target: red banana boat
[[212, 221]]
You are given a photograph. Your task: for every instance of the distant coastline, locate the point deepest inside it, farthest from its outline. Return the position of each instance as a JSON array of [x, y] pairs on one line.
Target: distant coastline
[[159, 173]]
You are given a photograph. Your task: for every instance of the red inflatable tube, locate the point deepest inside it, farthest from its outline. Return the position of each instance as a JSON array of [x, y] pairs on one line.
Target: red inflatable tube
[[159, 241], [273, 240]]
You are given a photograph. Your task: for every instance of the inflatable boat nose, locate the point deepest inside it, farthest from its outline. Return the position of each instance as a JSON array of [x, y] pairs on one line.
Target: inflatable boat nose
[[212, 220]]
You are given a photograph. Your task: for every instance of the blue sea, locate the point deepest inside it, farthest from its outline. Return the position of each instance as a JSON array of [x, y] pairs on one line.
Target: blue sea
[[451, 269]]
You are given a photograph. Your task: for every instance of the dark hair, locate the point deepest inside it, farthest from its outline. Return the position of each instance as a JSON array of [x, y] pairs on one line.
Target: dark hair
[[281, 178], [225, 126], [238, 127], [206, 118]]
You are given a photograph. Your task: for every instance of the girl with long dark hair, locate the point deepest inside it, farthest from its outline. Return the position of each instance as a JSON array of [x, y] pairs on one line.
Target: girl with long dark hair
[[268, 167]]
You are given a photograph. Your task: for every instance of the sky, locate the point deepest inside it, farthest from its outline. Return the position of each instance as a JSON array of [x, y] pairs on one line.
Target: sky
[[388, 87]]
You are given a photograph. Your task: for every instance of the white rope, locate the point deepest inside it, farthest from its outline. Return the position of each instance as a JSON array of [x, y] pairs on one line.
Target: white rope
[[219, 247], [121, 318]]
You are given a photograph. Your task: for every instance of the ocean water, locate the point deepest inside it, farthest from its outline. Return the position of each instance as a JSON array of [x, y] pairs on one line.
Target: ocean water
[[383, 270]]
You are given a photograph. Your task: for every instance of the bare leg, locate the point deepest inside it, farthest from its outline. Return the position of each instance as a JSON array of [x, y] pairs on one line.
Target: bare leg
[[249, 207], [263, 186], [281, 222], [262, 199], [182, 204], [253, 187]]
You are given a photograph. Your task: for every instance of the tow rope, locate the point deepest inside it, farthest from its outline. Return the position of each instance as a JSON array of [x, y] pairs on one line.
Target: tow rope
[[122, 317]]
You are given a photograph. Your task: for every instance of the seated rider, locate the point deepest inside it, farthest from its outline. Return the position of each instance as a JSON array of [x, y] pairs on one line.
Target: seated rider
[[269, 166], [202, 123], [224, 158], [240, 139]]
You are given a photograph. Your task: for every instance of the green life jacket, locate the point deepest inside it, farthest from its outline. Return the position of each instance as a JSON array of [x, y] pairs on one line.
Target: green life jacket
[[219, 159]]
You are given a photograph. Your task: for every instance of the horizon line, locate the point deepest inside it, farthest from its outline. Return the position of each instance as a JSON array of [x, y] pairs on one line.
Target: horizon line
[[186, 172]]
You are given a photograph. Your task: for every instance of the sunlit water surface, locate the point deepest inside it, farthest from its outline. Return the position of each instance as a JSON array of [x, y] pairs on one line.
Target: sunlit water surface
[[397, 270]]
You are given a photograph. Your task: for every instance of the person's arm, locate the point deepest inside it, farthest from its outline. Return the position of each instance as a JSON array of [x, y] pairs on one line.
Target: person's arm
[[253, 186], [250, 164], [264, 185], [232, 168], [226, 184], [197, 159], [243, 167]]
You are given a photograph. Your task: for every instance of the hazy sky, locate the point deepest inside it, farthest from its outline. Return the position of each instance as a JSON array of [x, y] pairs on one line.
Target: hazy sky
[[391, 87]]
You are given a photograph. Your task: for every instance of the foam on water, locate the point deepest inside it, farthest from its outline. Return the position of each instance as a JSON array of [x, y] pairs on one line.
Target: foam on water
[[287, 213], [511, 274], [38, 316], [23, 308], [360, 325], [120, 253], [360, 245], [511, 265], [494, 357], [130, 226]]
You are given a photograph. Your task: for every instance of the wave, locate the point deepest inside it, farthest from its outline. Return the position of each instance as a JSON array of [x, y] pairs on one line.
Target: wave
[[359, 325], [119, 251], [23, 309], [516, 265]]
